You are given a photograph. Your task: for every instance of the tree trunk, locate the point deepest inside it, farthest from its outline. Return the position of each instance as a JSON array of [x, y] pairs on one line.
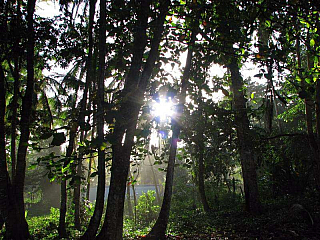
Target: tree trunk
[[133, 95], [77, 195], [98, 210], [16, 74], [8, 209], [26, 112], [130, 210], [159, 229], [246, 148], [90, 165], [63, 210], [135, 202]]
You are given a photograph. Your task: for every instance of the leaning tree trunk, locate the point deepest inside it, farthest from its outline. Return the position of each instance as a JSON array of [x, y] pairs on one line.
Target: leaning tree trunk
[[159, 229], [133, 95], [246, 148]]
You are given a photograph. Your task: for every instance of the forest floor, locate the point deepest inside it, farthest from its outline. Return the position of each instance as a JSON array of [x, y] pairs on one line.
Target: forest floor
[[278, 220]]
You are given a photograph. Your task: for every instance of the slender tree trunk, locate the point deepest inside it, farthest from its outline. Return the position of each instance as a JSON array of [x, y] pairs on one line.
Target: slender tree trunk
[[15, 96], [90, 165], [77, 195], [133, 94], [96, 218], [63, 210], [26, 113], [135, 202], [130, 210], [159, 229], [246, 148]]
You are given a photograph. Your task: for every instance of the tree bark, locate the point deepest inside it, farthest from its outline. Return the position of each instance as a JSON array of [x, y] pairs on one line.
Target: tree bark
[[246, 148], [26, 112], [16, 84], [129, 205], [133, 95], [159, 229], [8, 208], [98, 210]]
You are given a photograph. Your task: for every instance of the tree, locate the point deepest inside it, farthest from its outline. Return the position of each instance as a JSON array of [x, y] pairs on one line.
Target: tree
[[131, 102], [12, 192], [159, 229]]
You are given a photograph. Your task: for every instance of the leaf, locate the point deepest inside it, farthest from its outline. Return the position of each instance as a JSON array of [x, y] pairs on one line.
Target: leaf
[[252, 95], [32, 166], [268, 23], [103, 146], [312, 42]]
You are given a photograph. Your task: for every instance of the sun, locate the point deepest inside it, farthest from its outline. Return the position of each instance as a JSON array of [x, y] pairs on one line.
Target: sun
[[163, 108]]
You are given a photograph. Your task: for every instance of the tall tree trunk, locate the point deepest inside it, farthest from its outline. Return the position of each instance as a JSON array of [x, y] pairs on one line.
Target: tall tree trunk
[[26, 113], [246, 148], [159, 229], [8, 207], [96, 218], [83, 109], [16, 84], [133, 95]]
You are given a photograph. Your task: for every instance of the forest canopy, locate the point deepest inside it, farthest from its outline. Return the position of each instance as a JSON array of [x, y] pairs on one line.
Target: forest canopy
[[188, 119]]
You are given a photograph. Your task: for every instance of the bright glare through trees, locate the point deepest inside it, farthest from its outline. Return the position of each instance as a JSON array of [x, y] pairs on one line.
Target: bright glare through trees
[[163, 109]]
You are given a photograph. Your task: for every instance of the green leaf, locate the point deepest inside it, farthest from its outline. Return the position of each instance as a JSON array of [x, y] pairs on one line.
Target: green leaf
[[268, 23], [252, 95], [32, 166], [103, 146], [312, 42]]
